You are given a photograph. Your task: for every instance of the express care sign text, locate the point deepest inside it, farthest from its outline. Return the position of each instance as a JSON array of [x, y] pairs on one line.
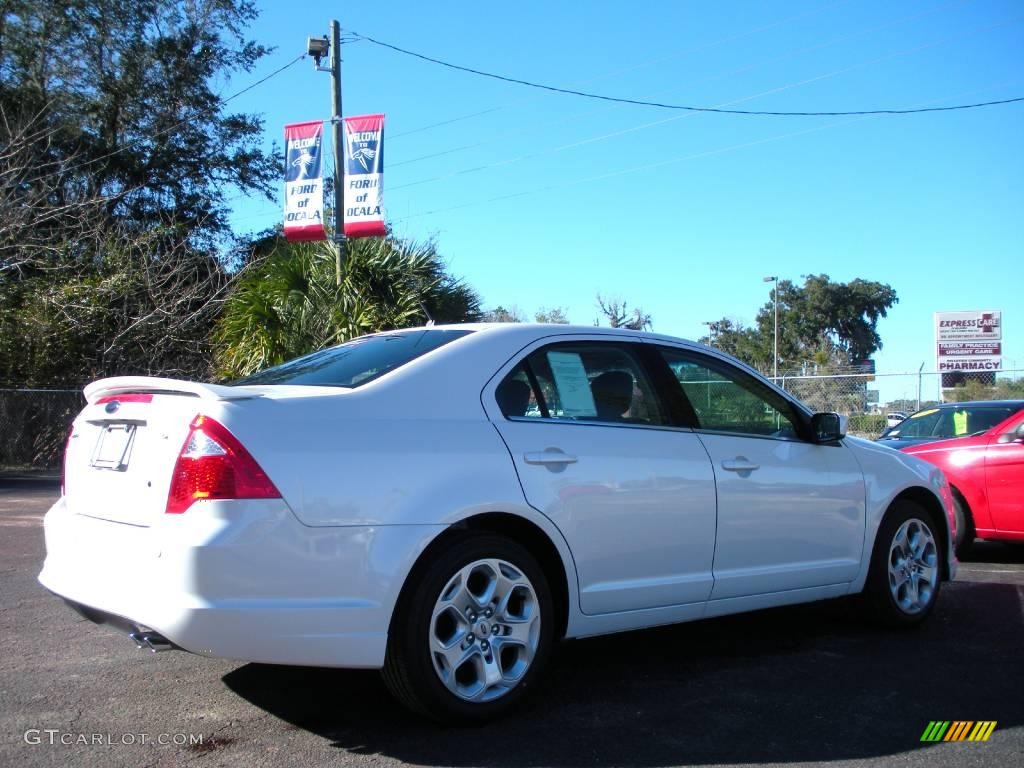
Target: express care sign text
[[968, 341]]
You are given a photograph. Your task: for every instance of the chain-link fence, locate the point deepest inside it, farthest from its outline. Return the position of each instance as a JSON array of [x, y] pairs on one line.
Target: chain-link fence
[[34, 422], [34, 426], [867, 398]]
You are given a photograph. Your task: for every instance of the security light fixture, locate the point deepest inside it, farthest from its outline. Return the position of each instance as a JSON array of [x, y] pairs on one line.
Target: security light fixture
[[318, 48]]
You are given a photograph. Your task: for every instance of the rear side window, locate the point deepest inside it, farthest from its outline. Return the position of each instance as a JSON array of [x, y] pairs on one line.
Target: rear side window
[[516, 395], [974, 420], [356, 362], [585, 381]]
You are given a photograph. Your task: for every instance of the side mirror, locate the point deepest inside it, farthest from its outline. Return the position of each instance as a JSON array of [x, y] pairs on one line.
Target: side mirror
[[828, 427], [1017, 436]]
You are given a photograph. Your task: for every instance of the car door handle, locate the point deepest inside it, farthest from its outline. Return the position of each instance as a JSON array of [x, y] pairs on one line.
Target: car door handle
[[550, 456], [739, 464]]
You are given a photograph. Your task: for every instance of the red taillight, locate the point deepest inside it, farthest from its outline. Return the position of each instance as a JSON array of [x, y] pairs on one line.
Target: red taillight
[[212, 464], [64, 464]]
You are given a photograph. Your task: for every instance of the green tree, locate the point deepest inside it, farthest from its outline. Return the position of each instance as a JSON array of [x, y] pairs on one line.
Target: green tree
[[553, 315], [143, 307], [120, 99], [116, 156], [972, 389], [736, 339], [617, 314], [821, 323], [287, 303], [502, 315]]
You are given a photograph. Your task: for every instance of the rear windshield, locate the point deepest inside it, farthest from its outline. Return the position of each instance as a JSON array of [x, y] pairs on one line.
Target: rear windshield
[[355, 362]]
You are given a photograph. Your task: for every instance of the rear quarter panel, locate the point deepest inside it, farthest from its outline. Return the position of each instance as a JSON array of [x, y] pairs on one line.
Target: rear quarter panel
[[412, 448]]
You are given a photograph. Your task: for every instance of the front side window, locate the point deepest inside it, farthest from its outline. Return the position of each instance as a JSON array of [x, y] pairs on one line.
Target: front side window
[[920, 424], [727, 400], [581, 381], [356, 362]]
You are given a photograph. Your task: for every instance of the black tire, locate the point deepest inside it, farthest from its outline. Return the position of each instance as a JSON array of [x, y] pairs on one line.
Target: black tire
[[409, 671], [877, 595], [963, 542]]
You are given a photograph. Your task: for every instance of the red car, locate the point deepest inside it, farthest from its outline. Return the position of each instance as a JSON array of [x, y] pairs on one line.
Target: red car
[[986, 472]]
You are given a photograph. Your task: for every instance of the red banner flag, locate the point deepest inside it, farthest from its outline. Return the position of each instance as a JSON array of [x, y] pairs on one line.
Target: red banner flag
[[364, 176], [304, 184]]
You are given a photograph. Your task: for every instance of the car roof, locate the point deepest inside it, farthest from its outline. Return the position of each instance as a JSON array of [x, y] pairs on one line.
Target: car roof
[[975, 403], [529, 332], [534, 330], [513, 328]]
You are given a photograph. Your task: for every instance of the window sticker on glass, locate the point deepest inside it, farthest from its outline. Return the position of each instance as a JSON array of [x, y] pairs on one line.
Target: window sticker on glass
[[573, 386], [959, 423], [924, 413]]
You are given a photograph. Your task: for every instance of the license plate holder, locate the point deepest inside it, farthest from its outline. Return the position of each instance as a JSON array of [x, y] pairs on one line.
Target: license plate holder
[[113, 447]]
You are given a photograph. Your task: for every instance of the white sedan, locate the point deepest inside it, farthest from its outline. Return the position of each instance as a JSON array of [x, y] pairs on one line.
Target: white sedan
[[445, 503]]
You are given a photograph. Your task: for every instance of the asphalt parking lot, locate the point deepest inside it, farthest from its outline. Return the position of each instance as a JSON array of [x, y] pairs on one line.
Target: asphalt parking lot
[[810, 684]]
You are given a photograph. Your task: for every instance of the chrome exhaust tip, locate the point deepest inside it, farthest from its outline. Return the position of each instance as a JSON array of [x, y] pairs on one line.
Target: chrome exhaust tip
[[154, 641]]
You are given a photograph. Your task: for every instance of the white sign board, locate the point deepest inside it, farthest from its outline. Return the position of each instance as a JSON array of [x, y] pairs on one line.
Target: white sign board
[[968, 341]]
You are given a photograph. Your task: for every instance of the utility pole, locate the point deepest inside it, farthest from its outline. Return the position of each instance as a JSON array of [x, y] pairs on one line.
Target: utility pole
[[318, 48], [919, 386], [339, 153]]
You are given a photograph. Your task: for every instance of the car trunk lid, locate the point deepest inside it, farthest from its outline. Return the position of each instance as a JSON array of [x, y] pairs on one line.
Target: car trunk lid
[[123, 445]]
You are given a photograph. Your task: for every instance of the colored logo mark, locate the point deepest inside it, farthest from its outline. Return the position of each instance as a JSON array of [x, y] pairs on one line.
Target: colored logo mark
[[958, 730]]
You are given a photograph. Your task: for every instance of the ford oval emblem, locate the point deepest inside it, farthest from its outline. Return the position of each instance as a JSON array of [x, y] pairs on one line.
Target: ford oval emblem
[[112, 406]]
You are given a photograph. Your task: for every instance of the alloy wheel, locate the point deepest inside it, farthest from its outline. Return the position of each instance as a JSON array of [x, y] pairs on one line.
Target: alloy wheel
[[484, 630], [913, 566]]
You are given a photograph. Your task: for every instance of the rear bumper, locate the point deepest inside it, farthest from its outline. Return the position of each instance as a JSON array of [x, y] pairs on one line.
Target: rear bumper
[[239, 579]]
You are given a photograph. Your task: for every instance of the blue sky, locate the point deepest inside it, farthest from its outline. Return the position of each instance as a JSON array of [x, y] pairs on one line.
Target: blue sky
[[545, 200]]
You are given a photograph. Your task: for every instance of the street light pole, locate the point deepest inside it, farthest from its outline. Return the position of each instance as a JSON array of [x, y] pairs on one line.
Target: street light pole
[[775, 295], [711, 332]]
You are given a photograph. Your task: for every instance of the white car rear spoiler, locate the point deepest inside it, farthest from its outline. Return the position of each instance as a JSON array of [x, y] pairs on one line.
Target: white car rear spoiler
[[120, 385]]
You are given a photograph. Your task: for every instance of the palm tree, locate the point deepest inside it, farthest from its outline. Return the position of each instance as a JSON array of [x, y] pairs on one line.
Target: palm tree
[[287, 302]]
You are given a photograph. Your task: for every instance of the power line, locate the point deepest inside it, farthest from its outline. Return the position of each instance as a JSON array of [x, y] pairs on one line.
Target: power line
[[647, 63], [446, 122], [682, 116], [518, 132], [684, 107], [635, 168], [262, 80]]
